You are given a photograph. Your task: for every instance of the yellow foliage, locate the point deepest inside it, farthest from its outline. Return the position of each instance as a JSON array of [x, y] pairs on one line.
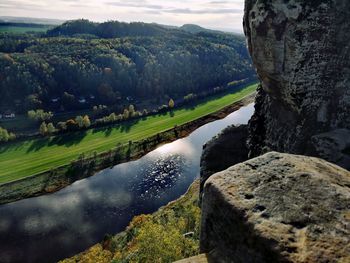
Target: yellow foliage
[[95, 254], [171, 103], [157, 238]]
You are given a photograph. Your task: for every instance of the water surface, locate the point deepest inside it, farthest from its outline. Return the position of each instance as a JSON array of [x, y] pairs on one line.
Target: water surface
[[59, 225]]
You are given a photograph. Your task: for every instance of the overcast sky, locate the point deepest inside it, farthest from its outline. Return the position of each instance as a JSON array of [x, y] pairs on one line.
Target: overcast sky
[[219, 14]]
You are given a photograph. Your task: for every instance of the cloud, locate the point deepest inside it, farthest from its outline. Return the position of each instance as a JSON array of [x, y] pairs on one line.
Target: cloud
[[135, 4], [208, 13], [202, 11]]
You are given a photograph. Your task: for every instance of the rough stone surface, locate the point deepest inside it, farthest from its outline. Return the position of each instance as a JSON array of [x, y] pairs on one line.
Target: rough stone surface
[[301, 50], [223, 151], [333, 146], [278, 208]]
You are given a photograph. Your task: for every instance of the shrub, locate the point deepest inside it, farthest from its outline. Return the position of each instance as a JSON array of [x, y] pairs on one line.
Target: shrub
[[171, 103], [40, 115], [71, 125], [51, 128], [6, 136], [43, 129], [86, 121], [62, 126]]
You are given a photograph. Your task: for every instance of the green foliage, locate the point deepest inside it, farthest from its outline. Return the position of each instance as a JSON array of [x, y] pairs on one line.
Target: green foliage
[[23, 27], [170, 234], [40, 155], [6, 136], [62, 126], [51, 128], [110, 29], [153, 62], [79, 121], [189, 97], [43, 129], [40, 115]]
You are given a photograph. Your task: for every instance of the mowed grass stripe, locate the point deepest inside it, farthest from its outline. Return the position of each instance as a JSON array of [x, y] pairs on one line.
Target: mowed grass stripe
[[22, 159]]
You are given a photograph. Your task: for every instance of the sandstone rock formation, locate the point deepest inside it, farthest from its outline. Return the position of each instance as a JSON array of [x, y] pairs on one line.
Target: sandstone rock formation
[[277, 208], [333, 146], [223, 151], [301, 50]]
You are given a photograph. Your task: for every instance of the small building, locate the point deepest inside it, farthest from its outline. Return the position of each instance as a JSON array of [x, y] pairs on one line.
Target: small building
[[9, 115], [82, 100], [92, 97], [55, 100]]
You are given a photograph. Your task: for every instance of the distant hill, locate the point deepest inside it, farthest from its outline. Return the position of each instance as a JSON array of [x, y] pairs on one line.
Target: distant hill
[[110, 29], [115, 29], [194, 29], [30, 20], [114, 60], [14, 27]]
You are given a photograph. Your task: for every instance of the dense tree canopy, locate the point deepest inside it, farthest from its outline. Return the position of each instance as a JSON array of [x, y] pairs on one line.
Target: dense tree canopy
[[82, 61]]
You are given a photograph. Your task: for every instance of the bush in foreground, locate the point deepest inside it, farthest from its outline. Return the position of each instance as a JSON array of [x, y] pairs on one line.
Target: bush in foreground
[[170, 234]]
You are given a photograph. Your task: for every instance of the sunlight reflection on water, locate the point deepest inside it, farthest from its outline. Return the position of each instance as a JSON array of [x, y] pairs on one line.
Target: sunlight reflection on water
[[55, 226]]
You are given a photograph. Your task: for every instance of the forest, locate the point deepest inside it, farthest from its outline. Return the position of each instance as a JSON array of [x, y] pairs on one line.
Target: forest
[[80, 64]]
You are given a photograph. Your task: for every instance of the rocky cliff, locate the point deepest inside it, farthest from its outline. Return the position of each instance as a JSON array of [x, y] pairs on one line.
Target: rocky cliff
[[223, 151], [281, 207], [277, 208], [301, 50]]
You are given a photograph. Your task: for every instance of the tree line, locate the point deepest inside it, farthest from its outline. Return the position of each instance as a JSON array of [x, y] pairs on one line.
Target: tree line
[[67, 70]]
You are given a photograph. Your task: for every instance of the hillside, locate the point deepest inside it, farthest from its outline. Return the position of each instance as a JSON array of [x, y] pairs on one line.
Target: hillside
[[175, 227], [104, 63]]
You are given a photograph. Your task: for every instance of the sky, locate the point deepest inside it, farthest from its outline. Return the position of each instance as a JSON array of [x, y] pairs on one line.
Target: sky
[[217, 14]]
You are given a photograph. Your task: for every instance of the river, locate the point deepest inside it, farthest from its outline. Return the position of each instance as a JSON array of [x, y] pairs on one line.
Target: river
[[55, 226]]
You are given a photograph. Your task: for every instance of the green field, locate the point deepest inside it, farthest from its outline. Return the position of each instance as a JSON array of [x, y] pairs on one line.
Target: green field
[[19, 29], [23, 159]]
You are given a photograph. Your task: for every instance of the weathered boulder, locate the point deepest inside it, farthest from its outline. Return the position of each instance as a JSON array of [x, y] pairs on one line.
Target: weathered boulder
[[333, 146], [223, 151], [277, 208], [301, 50]]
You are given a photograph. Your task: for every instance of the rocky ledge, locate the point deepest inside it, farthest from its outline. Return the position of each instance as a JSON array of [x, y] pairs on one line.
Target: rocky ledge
[[277, 208], [226, 149], [301, 50]]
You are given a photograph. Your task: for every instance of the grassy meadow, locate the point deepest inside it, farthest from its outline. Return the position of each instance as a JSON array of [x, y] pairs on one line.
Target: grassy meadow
[[22, 159], [23, 29]]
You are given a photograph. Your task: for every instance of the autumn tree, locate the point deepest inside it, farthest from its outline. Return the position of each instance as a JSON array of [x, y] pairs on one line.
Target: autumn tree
[[171, 103], [86, 121], [43, 129]]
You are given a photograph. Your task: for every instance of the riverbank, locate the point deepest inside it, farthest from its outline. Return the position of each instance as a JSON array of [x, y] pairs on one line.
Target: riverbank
[[86, 166], [174, 226]]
